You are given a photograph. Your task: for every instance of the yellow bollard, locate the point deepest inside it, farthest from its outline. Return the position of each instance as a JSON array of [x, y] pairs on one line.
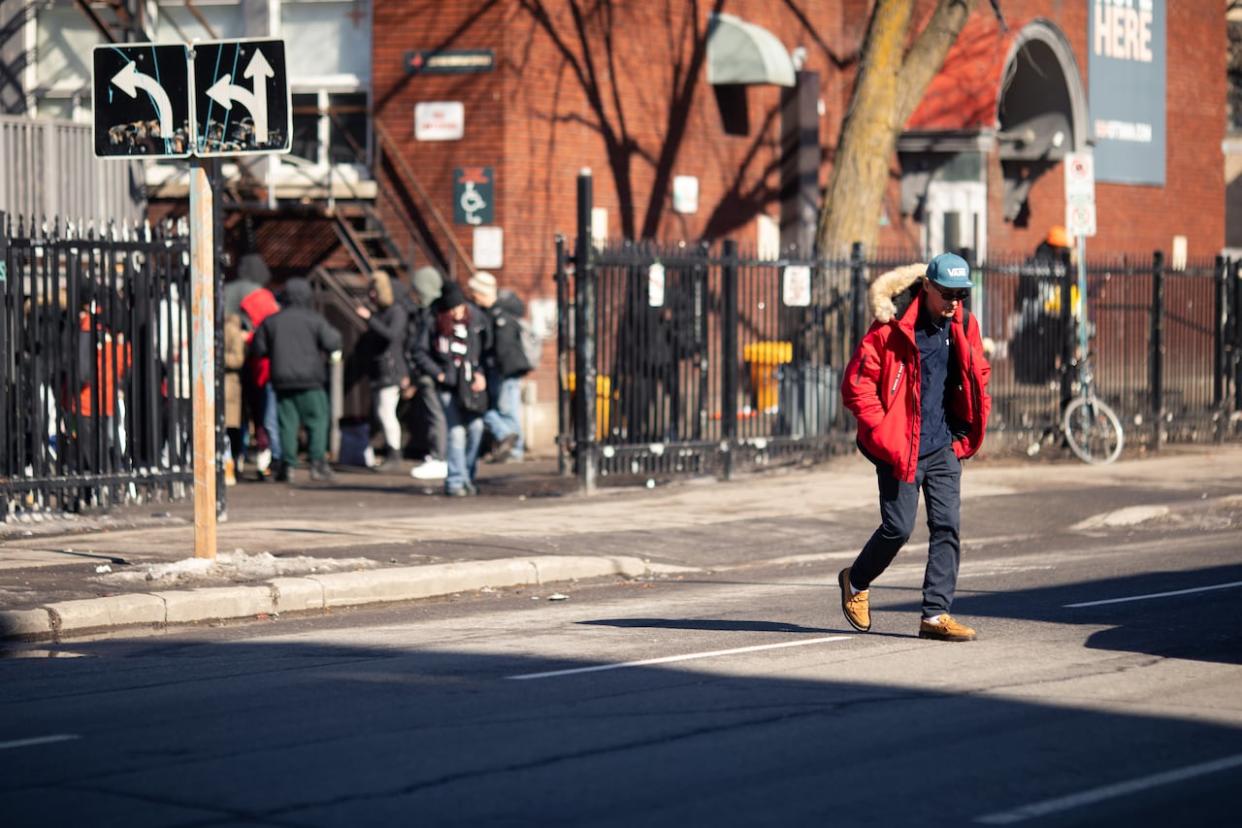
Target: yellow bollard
[[765, 359], [603, 401]]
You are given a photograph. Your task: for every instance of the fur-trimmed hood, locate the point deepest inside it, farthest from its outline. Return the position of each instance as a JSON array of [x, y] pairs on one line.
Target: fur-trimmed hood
[[891, 293]]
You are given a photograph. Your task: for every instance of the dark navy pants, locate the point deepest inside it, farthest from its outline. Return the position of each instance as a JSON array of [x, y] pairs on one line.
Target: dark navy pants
[[939, 475]]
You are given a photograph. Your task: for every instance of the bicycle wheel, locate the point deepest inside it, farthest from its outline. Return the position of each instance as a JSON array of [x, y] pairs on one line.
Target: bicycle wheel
[[1092, 430]]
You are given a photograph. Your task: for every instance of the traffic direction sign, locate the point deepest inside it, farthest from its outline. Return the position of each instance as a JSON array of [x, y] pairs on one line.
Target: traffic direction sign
[[241, 98], [141, 100]]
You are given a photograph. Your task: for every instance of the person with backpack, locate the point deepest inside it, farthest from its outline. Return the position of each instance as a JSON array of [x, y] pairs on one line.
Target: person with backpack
[[451, 353], [505, 363], [918, 385], [297, 339], [387, 326]]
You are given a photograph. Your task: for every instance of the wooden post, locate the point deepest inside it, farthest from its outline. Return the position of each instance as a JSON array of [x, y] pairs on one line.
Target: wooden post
[[203, 372]]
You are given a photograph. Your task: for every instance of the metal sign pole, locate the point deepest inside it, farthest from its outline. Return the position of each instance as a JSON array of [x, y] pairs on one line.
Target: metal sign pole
[[203, 376], [1082, 297]]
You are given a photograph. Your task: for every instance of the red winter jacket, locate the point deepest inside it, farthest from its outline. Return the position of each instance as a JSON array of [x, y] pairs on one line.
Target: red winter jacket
[[259, 305], [881, 384]]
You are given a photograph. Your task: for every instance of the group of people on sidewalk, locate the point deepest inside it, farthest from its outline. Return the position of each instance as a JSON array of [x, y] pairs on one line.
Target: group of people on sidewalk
[[470, 358], [460, 361]]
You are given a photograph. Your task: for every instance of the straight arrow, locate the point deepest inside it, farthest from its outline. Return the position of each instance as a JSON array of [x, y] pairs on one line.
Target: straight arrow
[[129, 80], [258, 70]]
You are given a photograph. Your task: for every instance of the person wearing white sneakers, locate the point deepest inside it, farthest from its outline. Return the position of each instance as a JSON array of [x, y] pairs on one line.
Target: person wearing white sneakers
[[918, 385], [427, 286]]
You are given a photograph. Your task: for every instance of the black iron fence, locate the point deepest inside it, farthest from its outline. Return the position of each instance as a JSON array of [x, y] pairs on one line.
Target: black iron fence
[[94, 365], [1164, 343], [704, 359]]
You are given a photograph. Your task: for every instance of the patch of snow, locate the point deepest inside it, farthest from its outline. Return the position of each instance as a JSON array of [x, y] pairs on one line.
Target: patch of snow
[[232, 566], [1132, 516]]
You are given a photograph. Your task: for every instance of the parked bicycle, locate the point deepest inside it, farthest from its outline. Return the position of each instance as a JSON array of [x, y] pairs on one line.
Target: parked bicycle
[[1089, 426]]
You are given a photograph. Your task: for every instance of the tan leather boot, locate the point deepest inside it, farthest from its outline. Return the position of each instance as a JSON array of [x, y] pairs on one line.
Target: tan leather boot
[[857, 607]]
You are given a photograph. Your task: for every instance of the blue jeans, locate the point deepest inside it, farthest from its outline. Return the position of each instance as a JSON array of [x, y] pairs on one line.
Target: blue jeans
[[465, 432], [939, 475], [503, 418], [271, 422]]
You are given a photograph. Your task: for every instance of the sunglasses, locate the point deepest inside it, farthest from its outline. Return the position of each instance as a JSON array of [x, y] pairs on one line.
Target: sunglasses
[[952, 295]]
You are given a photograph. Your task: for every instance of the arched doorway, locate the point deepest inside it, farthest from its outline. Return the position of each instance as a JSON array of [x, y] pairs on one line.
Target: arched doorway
[[1041, 111], [1017, 93]]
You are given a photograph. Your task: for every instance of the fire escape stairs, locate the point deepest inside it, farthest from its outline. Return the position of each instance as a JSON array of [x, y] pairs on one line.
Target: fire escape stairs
[[367, 241], [118, 21]]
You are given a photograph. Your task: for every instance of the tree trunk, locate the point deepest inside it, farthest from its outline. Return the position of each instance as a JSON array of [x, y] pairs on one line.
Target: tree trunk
[[889, 86]]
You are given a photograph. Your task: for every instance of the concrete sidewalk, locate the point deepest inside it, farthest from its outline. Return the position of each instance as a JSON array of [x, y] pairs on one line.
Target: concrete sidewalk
[[380, 538]]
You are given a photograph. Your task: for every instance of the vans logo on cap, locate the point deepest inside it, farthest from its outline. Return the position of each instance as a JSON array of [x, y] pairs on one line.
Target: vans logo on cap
[[958, 271]]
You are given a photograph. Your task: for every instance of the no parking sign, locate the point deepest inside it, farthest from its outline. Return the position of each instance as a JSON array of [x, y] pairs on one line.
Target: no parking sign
[[1080, 194]]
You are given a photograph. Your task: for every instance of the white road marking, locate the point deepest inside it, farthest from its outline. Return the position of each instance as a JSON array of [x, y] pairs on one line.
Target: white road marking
[[671, 659], [1065, 803], [39, 740], [1229, 585]]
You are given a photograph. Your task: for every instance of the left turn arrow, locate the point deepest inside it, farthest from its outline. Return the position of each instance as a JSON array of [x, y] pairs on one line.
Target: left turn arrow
[[129, 80]]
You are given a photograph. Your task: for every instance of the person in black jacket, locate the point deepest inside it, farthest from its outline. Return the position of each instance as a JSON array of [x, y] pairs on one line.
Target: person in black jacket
[[429, 414], [388, 368], [451, 353], [504, 363], [297, 339], [1037, 329]]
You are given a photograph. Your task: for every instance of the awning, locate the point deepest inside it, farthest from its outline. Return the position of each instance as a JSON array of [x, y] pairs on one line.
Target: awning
[[742, 53]]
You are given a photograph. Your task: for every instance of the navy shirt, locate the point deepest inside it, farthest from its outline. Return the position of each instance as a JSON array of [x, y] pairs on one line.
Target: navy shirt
[[932, 337]]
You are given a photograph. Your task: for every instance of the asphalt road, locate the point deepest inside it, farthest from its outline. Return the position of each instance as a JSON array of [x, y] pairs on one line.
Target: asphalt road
[[740, 697]]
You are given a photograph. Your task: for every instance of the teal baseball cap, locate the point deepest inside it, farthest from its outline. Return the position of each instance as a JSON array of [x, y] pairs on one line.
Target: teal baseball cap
[[949, 270]]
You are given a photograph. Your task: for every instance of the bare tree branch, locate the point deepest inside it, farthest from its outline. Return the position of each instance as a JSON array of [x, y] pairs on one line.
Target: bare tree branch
[[839, 61], [926, 56]]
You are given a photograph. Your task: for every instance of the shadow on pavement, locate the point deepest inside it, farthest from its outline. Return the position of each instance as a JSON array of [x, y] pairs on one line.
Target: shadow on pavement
[[172, 733], [1200, 626]]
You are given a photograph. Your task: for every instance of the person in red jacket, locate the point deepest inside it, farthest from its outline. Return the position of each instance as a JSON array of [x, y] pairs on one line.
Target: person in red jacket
[[918, 385]]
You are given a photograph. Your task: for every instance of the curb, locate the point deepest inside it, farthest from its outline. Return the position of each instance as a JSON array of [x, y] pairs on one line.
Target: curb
[[310, 594]]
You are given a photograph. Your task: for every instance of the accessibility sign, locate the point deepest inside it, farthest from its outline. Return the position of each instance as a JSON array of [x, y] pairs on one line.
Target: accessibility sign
[[473, 195], [141, 100], [241, 98]]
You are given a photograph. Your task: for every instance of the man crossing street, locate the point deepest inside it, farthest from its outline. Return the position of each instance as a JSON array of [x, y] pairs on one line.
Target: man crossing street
[[918, 386]]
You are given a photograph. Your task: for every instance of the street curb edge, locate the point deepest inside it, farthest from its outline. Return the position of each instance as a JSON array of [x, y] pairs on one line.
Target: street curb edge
[[308, 594]]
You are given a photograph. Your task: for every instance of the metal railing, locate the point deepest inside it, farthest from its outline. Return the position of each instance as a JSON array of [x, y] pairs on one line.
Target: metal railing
[[455, 259], [94, 366]]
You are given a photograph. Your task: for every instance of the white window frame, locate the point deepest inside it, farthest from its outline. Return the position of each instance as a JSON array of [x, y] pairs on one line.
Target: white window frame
[[290, 171]]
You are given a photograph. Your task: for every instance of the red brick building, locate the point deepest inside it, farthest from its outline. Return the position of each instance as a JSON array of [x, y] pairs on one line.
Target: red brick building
[[660, 95], [628, 93]]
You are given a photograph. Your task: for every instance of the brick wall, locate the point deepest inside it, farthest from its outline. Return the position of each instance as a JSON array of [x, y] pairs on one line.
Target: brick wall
[[1135, 219], [400, 27]]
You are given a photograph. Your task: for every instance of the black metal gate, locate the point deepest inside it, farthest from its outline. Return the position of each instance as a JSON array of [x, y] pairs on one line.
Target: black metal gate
[[94, 366], [701, 361]]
